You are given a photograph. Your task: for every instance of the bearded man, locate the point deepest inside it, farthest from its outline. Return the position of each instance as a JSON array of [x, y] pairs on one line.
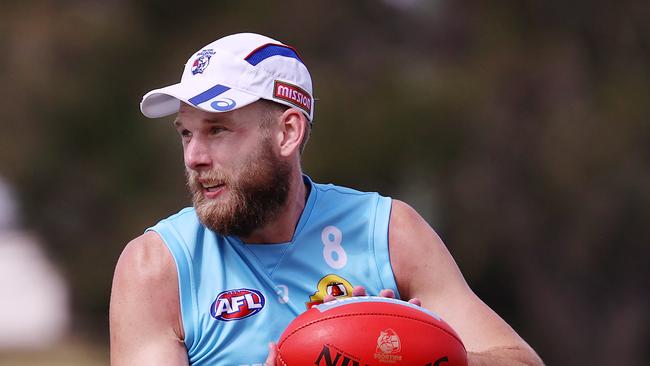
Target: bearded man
[[217, 282]]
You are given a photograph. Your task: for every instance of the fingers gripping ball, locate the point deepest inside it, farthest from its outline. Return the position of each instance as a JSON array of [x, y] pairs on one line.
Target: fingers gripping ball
[[370, 331]]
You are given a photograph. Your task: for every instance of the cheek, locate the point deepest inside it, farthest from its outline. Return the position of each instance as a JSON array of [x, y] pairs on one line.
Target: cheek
[[196, 154]]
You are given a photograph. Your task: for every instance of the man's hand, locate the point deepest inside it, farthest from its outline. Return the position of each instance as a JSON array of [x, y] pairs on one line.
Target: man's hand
[[273, 355], [361, 291]]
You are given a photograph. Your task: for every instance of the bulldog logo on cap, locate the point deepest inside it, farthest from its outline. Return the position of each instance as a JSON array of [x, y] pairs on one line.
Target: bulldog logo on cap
[[201, 61]]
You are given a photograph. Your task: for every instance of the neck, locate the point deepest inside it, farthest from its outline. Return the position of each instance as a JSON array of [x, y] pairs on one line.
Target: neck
[[282, 228]]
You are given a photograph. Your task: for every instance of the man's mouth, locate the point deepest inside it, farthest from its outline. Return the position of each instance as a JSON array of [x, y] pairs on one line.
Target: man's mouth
[[211, 187]]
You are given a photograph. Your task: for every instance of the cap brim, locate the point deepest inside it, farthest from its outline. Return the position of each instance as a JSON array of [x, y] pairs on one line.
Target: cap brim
[[215, 98]]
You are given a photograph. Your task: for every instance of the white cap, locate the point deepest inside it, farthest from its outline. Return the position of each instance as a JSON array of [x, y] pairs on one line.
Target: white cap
[[235, 71]]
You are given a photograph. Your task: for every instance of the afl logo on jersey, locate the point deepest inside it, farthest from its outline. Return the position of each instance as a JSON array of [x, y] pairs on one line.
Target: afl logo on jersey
[[237, 304]]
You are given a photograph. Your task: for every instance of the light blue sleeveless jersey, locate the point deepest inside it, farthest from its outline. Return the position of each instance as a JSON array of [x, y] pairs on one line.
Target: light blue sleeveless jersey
[[236, 298]]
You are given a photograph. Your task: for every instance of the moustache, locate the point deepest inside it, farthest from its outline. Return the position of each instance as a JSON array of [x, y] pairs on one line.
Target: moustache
[[205, 177]]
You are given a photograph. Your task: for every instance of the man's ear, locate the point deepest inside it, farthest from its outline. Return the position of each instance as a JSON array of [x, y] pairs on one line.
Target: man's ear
[[293, 127]]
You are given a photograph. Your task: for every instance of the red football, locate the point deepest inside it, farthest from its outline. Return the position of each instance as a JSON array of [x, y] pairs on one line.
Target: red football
[[370, 331]]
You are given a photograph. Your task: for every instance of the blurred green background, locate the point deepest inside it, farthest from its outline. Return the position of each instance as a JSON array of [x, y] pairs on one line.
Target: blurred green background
[[518, 129]]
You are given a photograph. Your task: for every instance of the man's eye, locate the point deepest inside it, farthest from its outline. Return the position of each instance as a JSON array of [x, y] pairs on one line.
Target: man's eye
[[185, 133], [215, 130]]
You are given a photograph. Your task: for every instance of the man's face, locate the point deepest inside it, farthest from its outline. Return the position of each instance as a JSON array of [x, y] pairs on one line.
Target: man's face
[[237, 180]]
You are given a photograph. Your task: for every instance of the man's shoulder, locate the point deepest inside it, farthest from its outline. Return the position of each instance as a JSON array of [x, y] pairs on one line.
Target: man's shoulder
[[146, 258], [144, 295]]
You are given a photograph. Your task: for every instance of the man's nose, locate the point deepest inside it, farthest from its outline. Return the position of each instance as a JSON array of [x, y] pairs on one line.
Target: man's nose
[[197, 155]]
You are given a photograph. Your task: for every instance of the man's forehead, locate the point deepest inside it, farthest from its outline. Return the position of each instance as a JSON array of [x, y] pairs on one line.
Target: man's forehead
[[187, 112]]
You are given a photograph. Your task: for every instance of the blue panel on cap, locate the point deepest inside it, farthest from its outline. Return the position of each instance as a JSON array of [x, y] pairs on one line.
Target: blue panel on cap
[[208, 94], [269, 50]]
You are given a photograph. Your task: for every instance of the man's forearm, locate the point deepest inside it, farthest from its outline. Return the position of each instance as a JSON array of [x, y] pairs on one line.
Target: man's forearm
[[505, 356]]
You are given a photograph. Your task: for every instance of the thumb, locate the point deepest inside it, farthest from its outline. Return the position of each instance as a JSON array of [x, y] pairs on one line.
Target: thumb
[[273, 354]]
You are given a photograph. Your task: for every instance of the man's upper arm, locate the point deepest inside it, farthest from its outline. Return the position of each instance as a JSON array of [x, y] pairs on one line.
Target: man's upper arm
[[424, 269], [145, 323]]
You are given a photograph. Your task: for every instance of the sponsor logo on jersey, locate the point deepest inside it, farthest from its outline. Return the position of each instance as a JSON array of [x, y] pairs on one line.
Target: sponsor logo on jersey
[[237, 304], [388, 345], [331, 284], [201, 61], [292, 94]]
